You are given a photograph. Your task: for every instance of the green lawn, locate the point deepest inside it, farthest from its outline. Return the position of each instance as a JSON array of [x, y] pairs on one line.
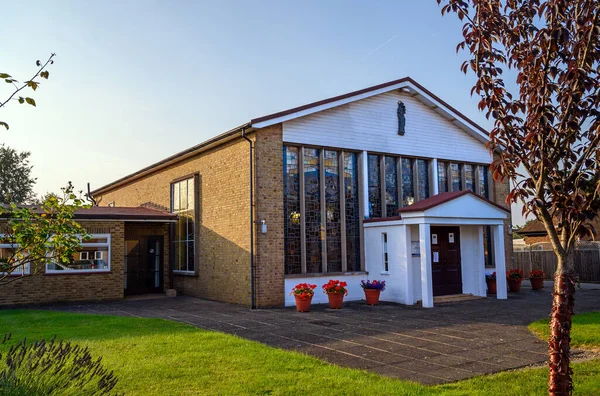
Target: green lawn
[[158, 357], [584, 334]]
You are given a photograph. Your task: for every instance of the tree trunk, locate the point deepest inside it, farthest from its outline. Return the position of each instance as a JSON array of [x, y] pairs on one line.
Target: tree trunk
[[559, 378]]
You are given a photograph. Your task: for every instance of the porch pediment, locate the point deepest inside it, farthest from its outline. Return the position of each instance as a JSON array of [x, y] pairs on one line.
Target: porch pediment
[[461, 207]]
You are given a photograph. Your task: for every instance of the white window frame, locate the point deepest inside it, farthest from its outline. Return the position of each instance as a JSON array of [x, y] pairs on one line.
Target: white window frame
[[84, 255], [24, 269], [98, 255], [88, 245]]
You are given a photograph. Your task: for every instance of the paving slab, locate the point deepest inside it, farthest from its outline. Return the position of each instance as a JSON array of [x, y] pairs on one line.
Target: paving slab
[[450, 342]]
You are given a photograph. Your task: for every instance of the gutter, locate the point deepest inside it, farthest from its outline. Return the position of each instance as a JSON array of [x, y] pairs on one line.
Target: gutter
[[252, 288]]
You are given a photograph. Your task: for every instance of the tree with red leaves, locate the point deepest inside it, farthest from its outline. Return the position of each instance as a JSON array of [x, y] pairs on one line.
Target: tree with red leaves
[[546, 134]]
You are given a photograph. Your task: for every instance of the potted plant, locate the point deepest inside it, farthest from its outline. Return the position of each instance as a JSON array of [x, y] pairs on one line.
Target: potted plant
[[490, 279], [514, 278], [335, 291], [536, 277], [303, 293], [372, 290]]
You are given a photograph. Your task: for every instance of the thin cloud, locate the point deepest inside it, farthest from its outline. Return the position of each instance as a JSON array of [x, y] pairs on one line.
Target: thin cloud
[[380, 47]]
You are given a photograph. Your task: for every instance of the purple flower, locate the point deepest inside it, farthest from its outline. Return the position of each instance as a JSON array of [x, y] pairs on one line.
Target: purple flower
[[374, 284]]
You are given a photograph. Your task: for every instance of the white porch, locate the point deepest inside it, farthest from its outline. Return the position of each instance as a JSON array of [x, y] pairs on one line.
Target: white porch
[[408, 266]]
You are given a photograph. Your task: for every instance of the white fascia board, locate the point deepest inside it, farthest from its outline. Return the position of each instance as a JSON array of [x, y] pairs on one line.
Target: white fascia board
[[452, 221], [330, 105]]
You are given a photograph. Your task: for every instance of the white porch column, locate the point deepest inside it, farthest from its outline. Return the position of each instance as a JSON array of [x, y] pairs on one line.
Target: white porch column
[[407, 258], [426, 281], [498, 234], [364, 159], [481, 260]]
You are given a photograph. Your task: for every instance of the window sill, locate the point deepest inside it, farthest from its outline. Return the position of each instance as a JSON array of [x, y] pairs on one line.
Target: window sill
[[385, 273], [321, 274], [185, 273], [53, 273]]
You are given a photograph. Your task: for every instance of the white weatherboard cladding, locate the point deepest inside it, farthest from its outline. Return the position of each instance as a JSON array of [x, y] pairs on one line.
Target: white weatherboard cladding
[[372, 124]]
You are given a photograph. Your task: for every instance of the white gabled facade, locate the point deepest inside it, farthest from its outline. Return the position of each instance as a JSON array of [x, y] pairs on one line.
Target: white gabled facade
[[371, 125]]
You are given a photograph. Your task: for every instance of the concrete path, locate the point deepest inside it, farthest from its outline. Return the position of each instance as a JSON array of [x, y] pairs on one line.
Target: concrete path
[[447, 343]]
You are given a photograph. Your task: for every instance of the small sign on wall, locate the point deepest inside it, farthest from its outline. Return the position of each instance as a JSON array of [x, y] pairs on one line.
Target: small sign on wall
[[436, 257], [451, 237], [415, 248], [434, 239]]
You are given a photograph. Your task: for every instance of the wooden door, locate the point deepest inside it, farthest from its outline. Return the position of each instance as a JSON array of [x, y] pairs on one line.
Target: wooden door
[[445, 261]]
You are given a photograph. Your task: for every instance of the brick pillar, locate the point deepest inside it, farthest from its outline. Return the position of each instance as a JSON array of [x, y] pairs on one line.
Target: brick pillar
[[269, 275]]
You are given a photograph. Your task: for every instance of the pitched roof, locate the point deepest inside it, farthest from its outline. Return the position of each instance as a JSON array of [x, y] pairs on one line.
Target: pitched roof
[[406, 83], [533, 228], [112, 213], [444, 197], [124, 213]]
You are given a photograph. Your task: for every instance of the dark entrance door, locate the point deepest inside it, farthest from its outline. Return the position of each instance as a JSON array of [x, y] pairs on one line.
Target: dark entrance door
[[143, 265], [445, 261]]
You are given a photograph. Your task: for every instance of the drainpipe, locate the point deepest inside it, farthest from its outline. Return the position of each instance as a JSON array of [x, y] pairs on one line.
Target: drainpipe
[[252, 291]]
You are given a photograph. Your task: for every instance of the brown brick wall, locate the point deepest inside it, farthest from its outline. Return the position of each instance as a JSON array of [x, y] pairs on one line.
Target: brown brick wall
[[46, 288], [269, 207], [500, 191], [223, 241]]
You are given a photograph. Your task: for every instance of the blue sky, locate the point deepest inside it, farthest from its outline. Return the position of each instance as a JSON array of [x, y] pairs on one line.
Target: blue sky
[[135, 81]]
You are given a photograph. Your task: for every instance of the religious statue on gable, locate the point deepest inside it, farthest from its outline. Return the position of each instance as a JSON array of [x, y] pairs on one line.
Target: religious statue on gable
[[401, 118]]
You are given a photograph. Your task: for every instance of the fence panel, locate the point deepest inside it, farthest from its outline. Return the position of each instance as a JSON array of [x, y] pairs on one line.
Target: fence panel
[[587, 263]]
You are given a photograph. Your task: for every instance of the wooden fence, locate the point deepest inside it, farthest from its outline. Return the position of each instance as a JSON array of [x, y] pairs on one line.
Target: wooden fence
[[587, 263]]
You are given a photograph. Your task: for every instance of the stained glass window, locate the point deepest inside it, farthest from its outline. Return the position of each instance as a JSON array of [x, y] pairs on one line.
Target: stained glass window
[[352, 212], [469, 177], [423, 178], [374, 186], [455, 174], [332, 204], [312, 208], [483, 181], [408, 186], [291, 206], [391, 186], [442, 177]]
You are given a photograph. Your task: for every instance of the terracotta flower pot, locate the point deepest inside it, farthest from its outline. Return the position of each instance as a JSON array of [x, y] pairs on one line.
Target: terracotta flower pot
[[335, 300], [537, 283], [491, 286], [372, 296], [303, 304], [514, 285]]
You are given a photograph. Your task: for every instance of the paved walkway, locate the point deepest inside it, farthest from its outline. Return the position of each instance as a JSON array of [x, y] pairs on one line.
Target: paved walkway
[[447, 343]]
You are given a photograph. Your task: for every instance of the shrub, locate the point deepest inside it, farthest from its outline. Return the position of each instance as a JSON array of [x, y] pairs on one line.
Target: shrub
[[52, 368], [537, 274], [515, 274]]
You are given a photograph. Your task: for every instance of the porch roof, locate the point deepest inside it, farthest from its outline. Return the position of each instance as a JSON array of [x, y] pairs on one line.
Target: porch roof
[[459, 207]]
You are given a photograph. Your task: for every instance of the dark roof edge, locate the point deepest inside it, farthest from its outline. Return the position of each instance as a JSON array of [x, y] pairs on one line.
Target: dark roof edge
[[126, 217], [366, 90], [174, 157]]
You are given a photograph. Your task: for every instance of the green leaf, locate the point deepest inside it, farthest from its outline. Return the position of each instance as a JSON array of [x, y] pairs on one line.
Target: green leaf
[[4, 75], [21, 100], [30, 101], [4, 124], [33, 86], [45, 74]]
